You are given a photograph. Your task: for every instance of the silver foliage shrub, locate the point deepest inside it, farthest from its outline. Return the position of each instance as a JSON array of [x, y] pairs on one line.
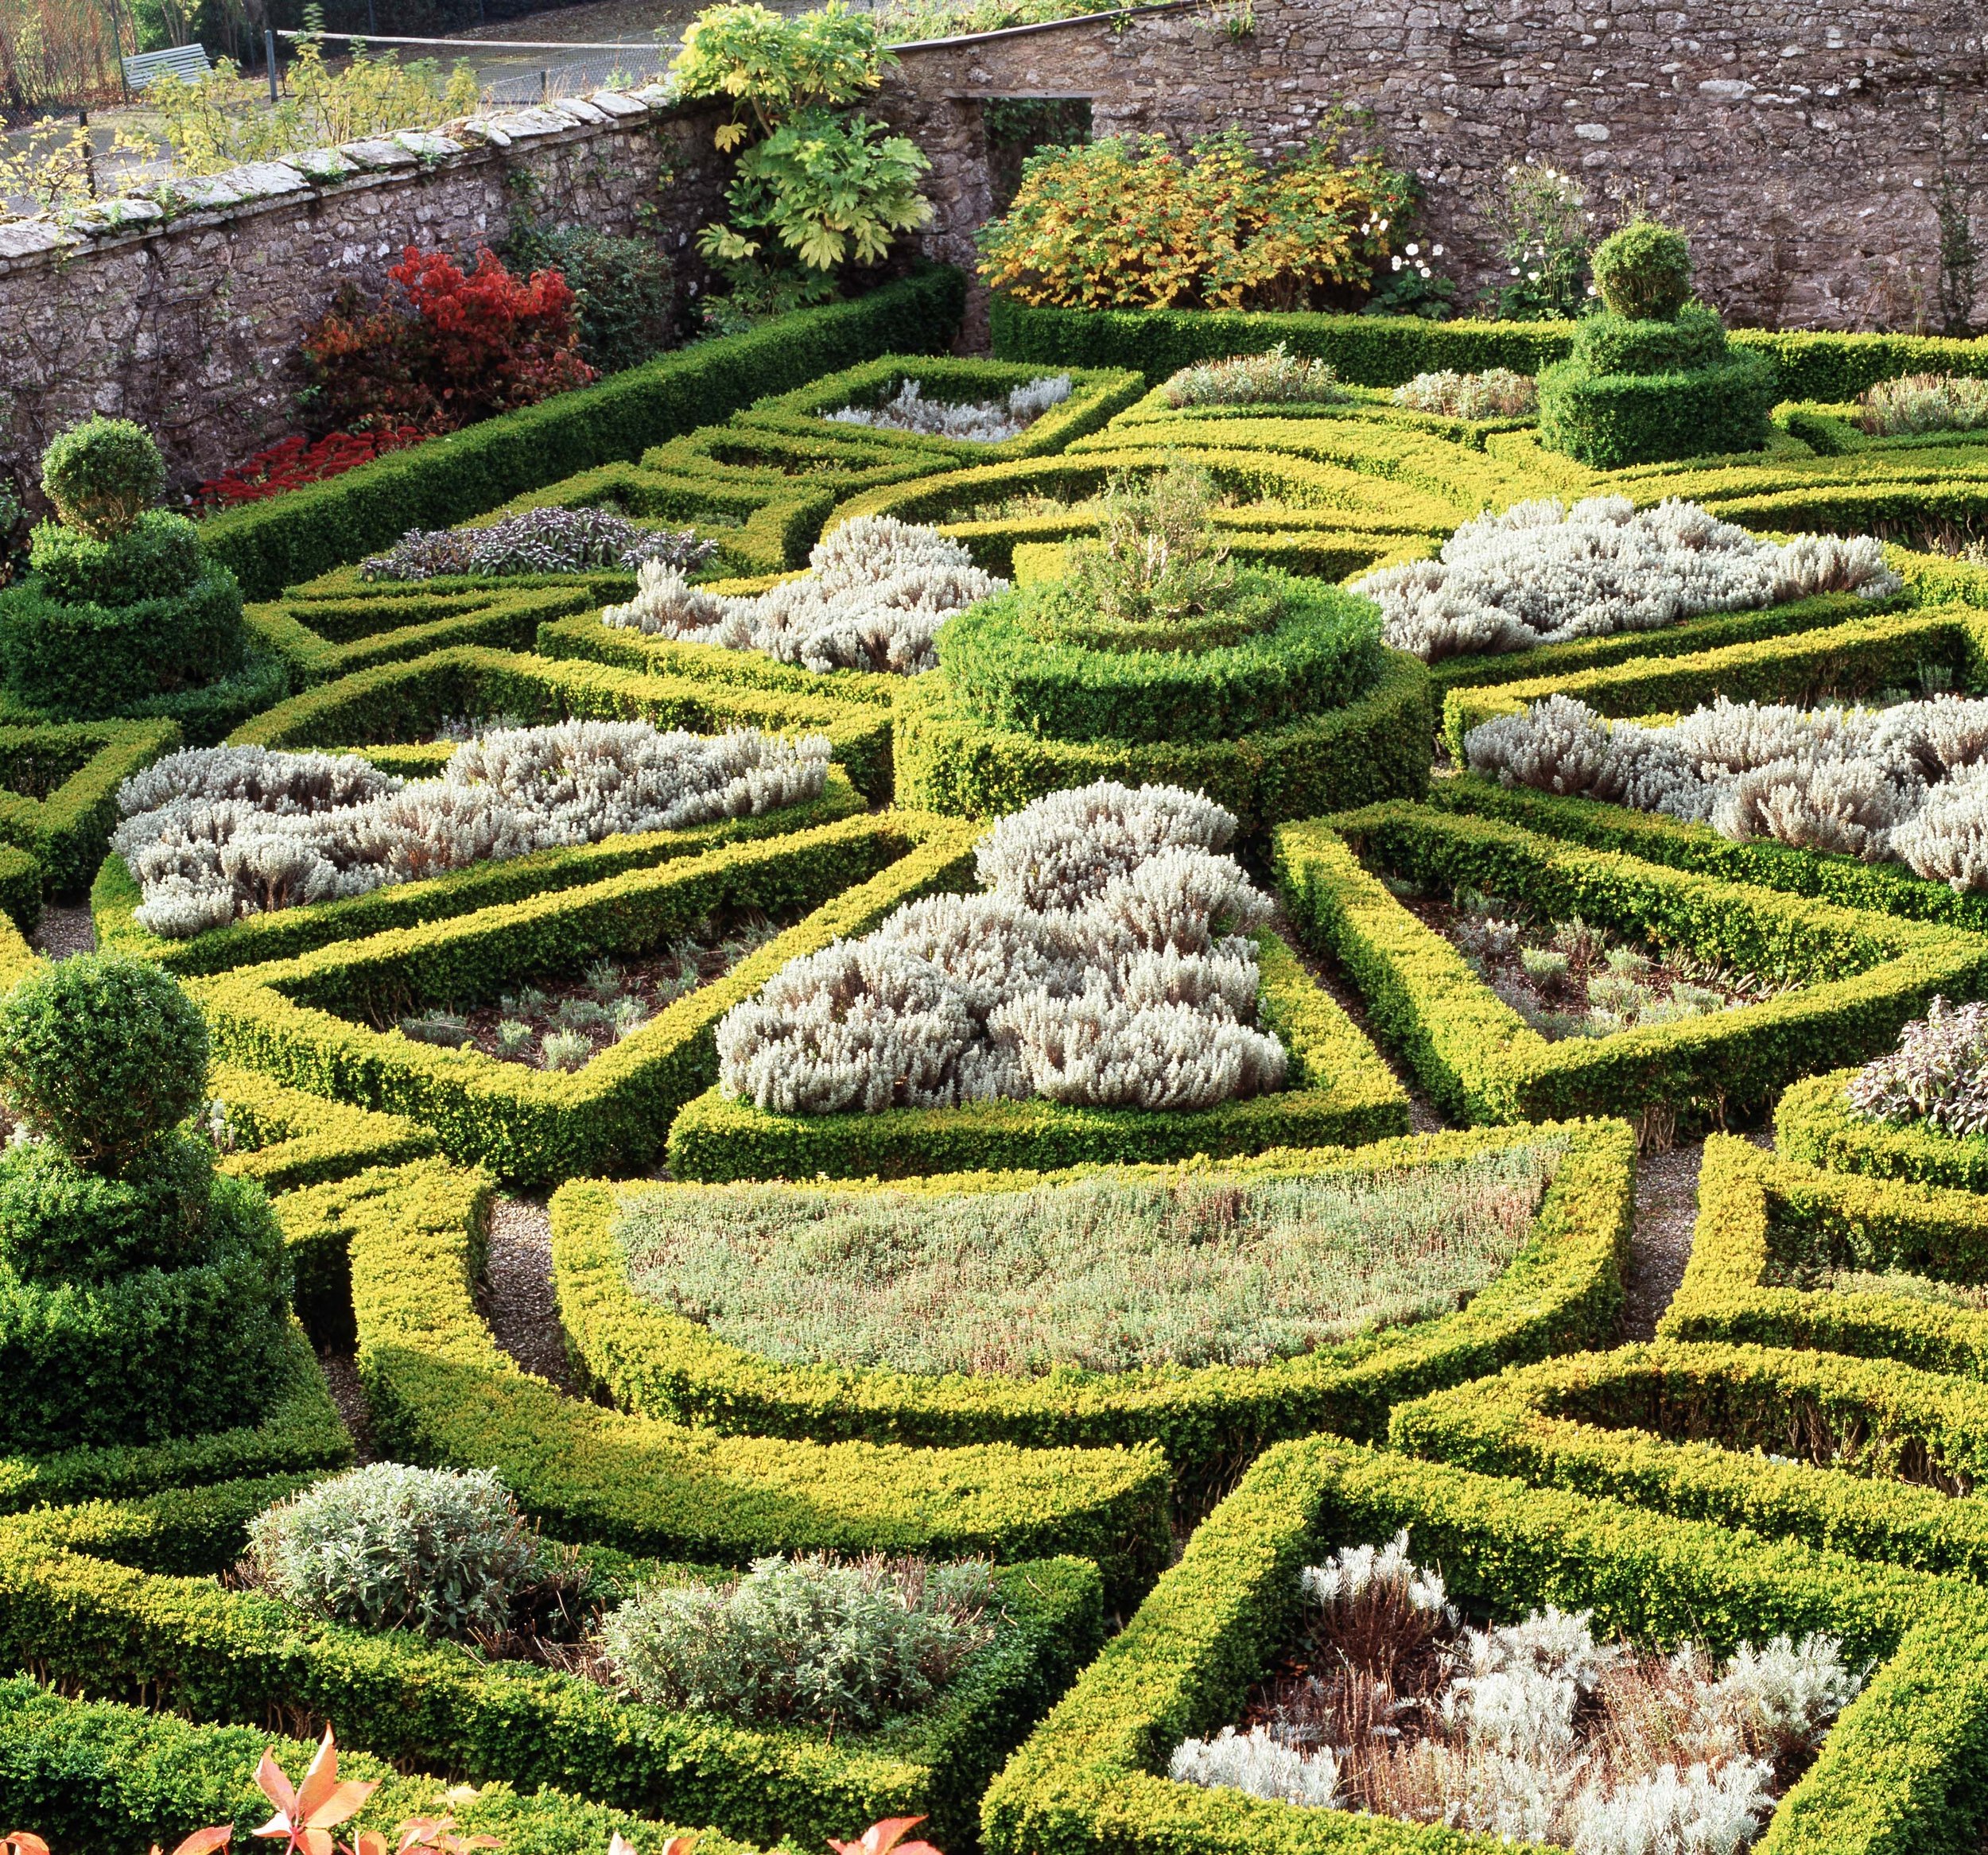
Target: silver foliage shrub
[[1544, 573], [1255, 1762], [875, 594], [1939, 1072], [1105, 964], [1497, 393], [211, 834], [1908, 783], [986, 421], [537, 541]]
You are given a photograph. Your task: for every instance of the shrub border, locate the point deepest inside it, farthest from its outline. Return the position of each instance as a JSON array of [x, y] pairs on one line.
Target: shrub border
[[1814, 1123]]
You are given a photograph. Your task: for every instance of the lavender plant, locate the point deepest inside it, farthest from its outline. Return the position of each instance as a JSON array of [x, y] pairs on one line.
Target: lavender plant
[[1498, 392], [986, 421], [1277, 377], [538, 540], [1925, 403]]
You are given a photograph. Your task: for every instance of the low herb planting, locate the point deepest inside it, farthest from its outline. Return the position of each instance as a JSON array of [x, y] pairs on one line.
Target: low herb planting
[[1498, 392], [1936, 1078], [1099, 1274], [1278, 377], [1906, 783], [1388, 1702], [215, 834], [875, 593], [538, 540], [1925, 402], [986, 421], [1542, 573], [1104, 964]]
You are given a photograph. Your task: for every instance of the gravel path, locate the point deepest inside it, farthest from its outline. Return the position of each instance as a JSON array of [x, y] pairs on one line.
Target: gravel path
[[341, 1376], [517, 1297], [1666, 1208], [65, 930]]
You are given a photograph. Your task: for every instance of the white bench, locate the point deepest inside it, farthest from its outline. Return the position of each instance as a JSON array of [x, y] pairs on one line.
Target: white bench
[[186, 62]]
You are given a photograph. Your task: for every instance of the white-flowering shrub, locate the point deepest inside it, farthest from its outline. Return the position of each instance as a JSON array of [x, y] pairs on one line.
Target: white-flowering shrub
[[1938, 1074], [212, 835], [1908, 782], [1255, 1762], [1104, 965], [1543, 573], [985, 421], [1497, 393], [875, 594]]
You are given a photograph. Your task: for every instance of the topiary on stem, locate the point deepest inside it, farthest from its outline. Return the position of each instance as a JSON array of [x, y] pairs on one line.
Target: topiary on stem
[[1643, 272], [101, 475]]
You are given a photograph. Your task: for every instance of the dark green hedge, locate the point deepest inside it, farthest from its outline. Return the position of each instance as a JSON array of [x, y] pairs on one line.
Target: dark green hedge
[[1612, 420], [1374, 351], [1899, 1773], [59, 791], [446, 480]]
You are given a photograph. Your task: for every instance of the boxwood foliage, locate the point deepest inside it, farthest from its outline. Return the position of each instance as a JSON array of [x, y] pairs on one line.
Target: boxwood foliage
[[82, 1597], [1896, 1774], [58, 796], [1387, 351], [441, 1393], [1814, 1123], [448, 479], [1761, 1218], [1561, 1290], [94, 1774], [115, 897], [1340, 1093], [1864, 975], [410, 701], [306, 1021], [1744, 1436]]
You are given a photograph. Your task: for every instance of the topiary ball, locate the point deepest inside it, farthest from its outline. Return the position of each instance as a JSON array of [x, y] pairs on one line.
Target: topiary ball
[[1644, 271], [103, 1054], [103, 475]]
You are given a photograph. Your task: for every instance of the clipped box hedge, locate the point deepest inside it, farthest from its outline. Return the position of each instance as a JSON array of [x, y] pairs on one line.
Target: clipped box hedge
[[116, 896], [1897, 1773], [1866, 974], [83, 1597], [410, 701], [1845, 882], [1387, 351], [1561, 1290], [58, 799], [1761, 1216], [93, 1773], [1743, 1436], [532, 1125], [440, 1393], [1340, 1093], [273, 544], [1885, 651], [1376, 746], [1814, 1123]]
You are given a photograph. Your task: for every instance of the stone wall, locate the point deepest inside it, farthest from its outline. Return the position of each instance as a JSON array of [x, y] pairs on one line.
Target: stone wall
[[188, 316], [1803, 145]]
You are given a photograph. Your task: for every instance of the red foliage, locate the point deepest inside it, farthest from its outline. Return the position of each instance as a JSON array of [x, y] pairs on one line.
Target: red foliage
[[443, 349], [297, 461]]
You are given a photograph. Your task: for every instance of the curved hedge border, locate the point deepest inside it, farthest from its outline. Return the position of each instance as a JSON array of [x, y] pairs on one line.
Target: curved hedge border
[[407, 701], [94, 1774], [441, 1392], [1375, 747], [1688, 1430], [1896, 1776], [446, 480], [1867, 974], [115, 897], [1758, 1214], [535, 1125], [78, 767], [1814, 1123], [1342, 1094], [1561, 1290]]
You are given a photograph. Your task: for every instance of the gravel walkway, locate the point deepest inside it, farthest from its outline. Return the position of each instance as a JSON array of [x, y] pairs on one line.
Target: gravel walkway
[[517, 1296], [65, 930], [1666, 1209], [341, 1376]]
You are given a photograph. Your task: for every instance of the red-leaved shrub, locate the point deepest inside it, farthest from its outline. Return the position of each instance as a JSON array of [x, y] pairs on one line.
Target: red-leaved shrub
[[294, 462], [443, 348]]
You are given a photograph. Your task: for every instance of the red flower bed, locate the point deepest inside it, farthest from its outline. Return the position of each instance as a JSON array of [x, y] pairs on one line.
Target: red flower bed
[[297, 461]]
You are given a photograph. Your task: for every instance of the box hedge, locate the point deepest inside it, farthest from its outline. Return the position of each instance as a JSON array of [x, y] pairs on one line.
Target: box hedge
[[1814, 1123], [1340, 1093], [1863, 975], [1898, 1771]]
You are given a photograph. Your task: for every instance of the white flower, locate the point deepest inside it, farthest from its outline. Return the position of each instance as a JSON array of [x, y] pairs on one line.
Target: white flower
[[1413, 251], [1397, 264], [1435, 250]]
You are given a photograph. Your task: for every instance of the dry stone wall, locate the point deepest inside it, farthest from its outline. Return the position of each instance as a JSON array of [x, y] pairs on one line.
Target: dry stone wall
[[1804, 143]]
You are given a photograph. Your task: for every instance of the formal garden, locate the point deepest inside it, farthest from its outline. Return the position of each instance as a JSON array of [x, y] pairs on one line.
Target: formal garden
[[1218, 1085]]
